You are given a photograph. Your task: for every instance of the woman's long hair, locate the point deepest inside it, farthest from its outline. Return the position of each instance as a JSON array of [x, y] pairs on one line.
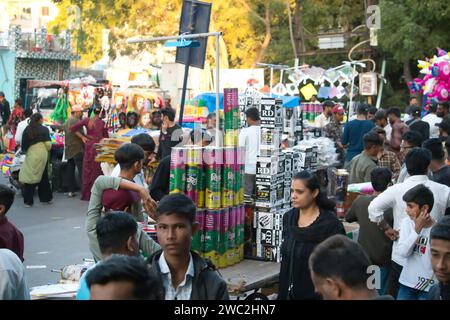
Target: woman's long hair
[[312, 183], [34, 125]]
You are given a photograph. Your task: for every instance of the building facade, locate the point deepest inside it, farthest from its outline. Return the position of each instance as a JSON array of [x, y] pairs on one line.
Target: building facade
[[38, 56]]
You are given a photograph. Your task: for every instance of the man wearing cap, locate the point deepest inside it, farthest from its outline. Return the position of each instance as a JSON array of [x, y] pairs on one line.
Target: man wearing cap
[[416, 124], [74, 149], [333, 130]]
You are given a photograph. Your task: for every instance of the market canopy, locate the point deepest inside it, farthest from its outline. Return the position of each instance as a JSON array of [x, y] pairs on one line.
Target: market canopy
[[210, 100]]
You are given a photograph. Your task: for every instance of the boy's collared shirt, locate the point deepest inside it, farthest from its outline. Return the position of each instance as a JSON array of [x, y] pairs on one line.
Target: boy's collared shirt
[[184, 290]]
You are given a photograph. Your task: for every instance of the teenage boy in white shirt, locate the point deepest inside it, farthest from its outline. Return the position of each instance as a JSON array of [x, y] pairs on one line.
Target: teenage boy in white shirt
[[417, 275]]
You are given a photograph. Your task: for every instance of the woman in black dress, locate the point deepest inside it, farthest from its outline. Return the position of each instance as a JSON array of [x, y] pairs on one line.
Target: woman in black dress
[[311, 220]]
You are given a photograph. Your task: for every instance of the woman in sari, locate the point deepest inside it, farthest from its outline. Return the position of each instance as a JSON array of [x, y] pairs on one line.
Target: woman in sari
[[95, 131]]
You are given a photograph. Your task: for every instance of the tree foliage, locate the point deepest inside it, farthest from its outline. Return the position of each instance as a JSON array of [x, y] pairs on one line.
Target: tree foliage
[[259, 30]]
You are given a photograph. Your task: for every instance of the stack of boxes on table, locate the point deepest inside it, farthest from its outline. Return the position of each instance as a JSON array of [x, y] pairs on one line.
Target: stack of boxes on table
[[274, 170], [213, 178]]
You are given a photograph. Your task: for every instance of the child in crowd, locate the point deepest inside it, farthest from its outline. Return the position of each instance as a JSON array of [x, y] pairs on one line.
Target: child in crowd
[[182, 272], [417, 275], [10, 237]]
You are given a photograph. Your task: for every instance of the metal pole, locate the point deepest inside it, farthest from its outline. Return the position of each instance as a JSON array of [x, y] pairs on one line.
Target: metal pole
[[217, 91], [188, 36], [380, 94], [186, 67], [351, 92], [271, 79]]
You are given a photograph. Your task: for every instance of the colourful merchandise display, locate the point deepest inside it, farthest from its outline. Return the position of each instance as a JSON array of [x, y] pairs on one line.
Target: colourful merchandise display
[[212, 178]]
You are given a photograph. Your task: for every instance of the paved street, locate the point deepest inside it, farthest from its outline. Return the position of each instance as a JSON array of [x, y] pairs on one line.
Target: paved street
[[54, 235]]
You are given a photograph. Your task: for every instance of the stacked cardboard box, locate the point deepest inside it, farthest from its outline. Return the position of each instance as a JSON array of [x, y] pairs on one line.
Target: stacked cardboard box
[[270, 183]]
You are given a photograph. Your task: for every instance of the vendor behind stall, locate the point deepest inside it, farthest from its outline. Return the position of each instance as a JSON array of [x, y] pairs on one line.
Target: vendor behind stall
[[170, 135], [160, 183], [333, 130], [250, 138]]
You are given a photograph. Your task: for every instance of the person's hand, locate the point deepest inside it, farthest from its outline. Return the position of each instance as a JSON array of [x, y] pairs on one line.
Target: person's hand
[[424, 219], [149, 204], [84, 139], [391, 234]]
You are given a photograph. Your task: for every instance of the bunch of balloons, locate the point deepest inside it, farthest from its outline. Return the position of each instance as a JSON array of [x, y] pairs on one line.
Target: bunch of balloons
[[436, 82]]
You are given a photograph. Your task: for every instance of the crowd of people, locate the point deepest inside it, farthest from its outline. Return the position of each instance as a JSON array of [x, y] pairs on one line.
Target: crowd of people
[[404, 235]]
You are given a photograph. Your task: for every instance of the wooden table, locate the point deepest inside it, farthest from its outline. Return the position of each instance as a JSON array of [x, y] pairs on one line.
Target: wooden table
[[250, 275]]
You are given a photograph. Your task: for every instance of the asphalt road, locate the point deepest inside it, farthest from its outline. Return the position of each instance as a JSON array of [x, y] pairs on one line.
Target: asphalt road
[[54, 235]]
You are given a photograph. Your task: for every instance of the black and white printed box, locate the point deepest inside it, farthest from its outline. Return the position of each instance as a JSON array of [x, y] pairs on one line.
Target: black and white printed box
[[268, 253], [271, 113], [266, 194], [269, 237], [267, 166], [270, 137], [268, 220]]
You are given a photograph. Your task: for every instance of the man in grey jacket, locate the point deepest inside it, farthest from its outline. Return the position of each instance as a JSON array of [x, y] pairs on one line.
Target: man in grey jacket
[[183, 274]]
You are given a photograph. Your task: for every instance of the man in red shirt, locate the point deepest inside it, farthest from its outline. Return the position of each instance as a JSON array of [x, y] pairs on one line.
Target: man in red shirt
[[398, 129], [10, 237]]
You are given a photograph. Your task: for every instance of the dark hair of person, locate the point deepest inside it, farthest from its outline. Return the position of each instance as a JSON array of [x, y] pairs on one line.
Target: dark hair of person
[[128, 154], [114, 230], [413, 137], [394, 111], [421, 196], [2, 94], [434, 145], [380, 178], [6, 196], [363, 109], [412, 98], [204, 135], [210, 116], [34, 125], [253, 113], [145, 141], [378, 130], [28, 112], [379, 115], [169, 113], [441, 230], [156, 112], [373, 110], [445, 105], [328, 104], [415, 111], [417, 161], [18, 103], [371, 139], [177, 203], [341, 258], [433, 107], [131, 269], [312, 183]]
